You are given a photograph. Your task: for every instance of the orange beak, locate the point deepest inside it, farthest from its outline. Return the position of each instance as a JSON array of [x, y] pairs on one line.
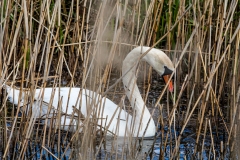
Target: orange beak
[[170, 86]]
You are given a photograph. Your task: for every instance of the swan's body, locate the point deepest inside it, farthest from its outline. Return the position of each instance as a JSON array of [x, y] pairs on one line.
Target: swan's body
[[122, 123]]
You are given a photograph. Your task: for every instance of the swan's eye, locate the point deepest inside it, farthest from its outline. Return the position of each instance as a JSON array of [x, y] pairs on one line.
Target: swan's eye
[[167, 71]]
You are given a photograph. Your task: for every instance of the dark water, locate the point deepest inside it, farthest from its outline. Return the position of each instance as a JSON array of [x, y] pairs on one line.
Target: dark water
[[148, 150]]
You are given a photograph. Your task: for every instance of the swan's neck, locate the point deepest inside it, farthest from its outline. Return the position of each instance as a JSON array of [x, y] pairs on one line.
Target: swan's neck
[[142, 114]]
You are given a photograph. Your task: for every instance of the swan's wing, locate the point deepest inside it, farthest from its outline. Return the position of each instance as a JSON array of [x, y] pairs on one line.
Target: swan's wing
[[65, 98], [108, 113], [55, 98]]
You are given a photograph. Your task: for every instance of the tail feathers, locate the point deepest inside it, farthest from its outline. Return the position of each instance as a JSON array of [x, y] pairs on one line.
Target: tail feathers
[[13, 95], [8, 88]]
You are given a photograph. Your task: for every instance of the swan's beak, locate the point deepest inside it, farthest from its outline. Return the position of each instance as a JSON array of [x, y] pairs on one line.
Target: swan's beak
[[170, 86]]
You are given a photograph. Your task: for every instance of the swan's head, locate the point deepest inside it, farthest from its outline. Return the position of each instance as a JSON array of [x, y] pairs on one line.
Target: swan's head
[[161, 63], [155, 57]]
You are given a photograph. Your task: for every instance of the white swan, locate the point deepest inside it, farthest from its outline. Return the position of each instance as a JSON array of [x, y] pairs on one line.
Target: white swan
[[121, 123]]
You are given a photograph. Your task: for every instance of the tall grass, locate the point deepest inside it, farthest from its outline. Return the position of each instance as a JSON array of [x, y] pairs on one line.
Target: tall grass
[[82, 43]]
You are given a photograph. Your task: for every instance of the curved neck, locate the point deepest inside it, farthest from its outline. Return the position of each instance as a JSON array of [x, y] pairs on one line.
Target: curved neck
[[129, 69]]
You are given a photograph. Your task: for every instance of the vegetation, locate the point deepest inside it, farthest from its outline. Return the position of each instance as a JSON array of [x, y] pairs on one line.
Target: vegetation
[[48, 43]]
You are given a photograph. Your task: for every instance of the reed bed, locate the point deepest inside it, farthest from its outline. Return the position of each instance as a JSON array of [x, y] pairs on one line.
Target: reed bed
[[82, 43]]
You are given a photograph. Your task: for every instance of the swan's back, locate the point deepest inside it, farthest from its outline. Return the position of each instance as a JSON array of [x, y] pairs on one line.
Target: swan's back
[[92, 104], [89, 100]]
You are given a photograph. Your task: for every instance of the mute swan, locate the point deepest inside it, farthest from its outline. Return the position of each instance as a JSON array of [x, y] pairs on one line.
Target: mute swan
[[122, 123]]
